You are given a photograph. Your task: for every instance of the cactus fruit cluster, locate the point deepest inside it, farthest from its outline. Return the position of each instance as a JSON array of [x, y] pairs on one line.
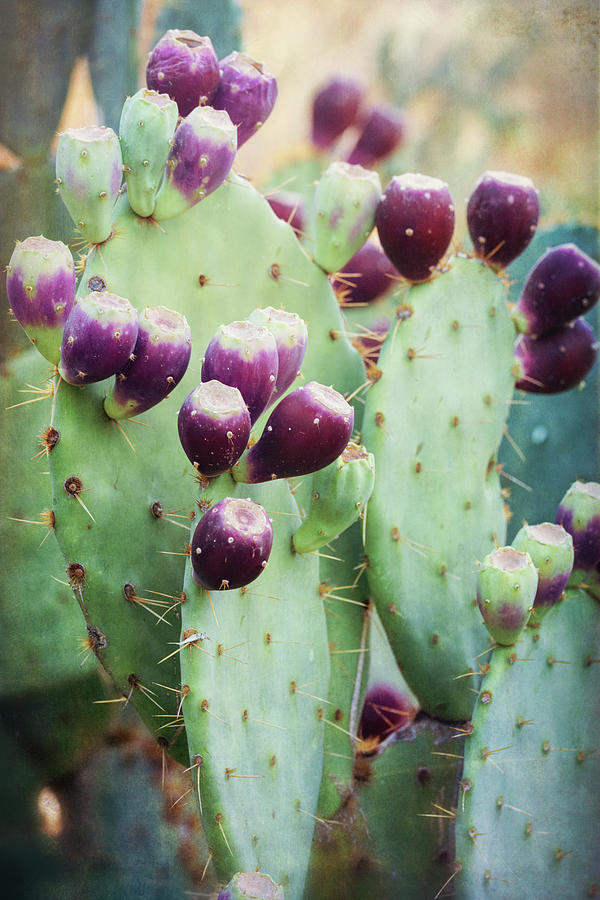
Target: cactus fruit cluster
[[321, 419]]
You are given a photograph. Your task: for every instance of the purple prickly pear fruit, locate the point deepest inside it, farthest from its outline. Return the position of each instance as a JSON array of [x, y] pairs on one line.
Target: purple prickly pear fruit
[[502, 216], [247, 92], [415, 223], [158, 363], [563, 285], [244, 355], [556, 361], [385, 710], [306, 431], [40, 284], [214, 427], [290, 207], [184, 66], [579, 514], [98, 339], [506, 588], [89, 170], [201, 157], [251, 886], [291, 338], [335, 107], [551, 550], [366, 276], [381, 134], [231, 545]]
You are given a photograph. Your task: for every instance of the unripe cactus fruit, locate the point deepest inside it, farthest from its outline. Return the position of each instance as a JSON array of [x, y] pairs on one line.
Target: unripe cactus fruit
[[385, 710], [563, 285], [506, 588], [345, 203], [88, 171], [40, 285], [381, 134], [184, 65], [579, 514], [334, 108], [247, 92], [251, 886], [556, 361], [291, 337], [244, 355], [502, 216], [551, 550], [415, 223], [306, 431], [367, 275], [340, 492], [148, 122], [231, 544], [203, 150], [214, 427], [158, 362], [98, 338]]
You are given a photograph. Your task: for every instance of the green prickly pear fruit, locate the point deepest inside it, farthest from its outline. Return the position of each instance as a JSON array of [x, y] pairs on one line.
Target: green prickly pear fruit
[[203, 150], [506, 588], [579, 513], [346, 200], [89, 169], [148, 122], [40, 285], [251, 886], [340, 493], [551, 550], [157, 364]]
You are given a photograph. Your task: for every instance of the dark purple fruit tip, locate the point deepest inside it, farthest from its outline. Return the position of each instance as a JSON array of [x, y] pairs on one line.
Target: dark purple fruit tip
[[306, 431], [214, 427], [563, 285], [579, 514], [381, 134], [184, 65], [335, 107], [366, 276], [291, 337], [40, 285], [556, 361], [158, 363], [244, 355], [385, 710], [98, 339], [247, 92], [502, 216], [290, 207], [231, 545], [415, 223]]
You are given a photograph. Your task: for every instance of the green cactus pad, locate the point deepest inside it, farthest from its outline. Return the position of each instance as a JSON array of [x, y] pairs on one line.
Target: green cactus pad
[[434, 420], [531, 765], [255, 662]]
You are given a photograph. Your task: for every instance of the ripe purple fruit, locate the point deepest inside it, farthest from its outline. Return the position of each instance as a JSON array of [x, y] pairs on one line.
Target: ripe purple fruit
[[563, 285], [214, 427], [306, 431], [335, 107], [291, 338], [98, 338], [381, 134], [415, 223], [366, 276], [231, 545], [502, 216], [556, 361], [184, 66], [244, 355], [247, 92], [384, 711], [290, 207]]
